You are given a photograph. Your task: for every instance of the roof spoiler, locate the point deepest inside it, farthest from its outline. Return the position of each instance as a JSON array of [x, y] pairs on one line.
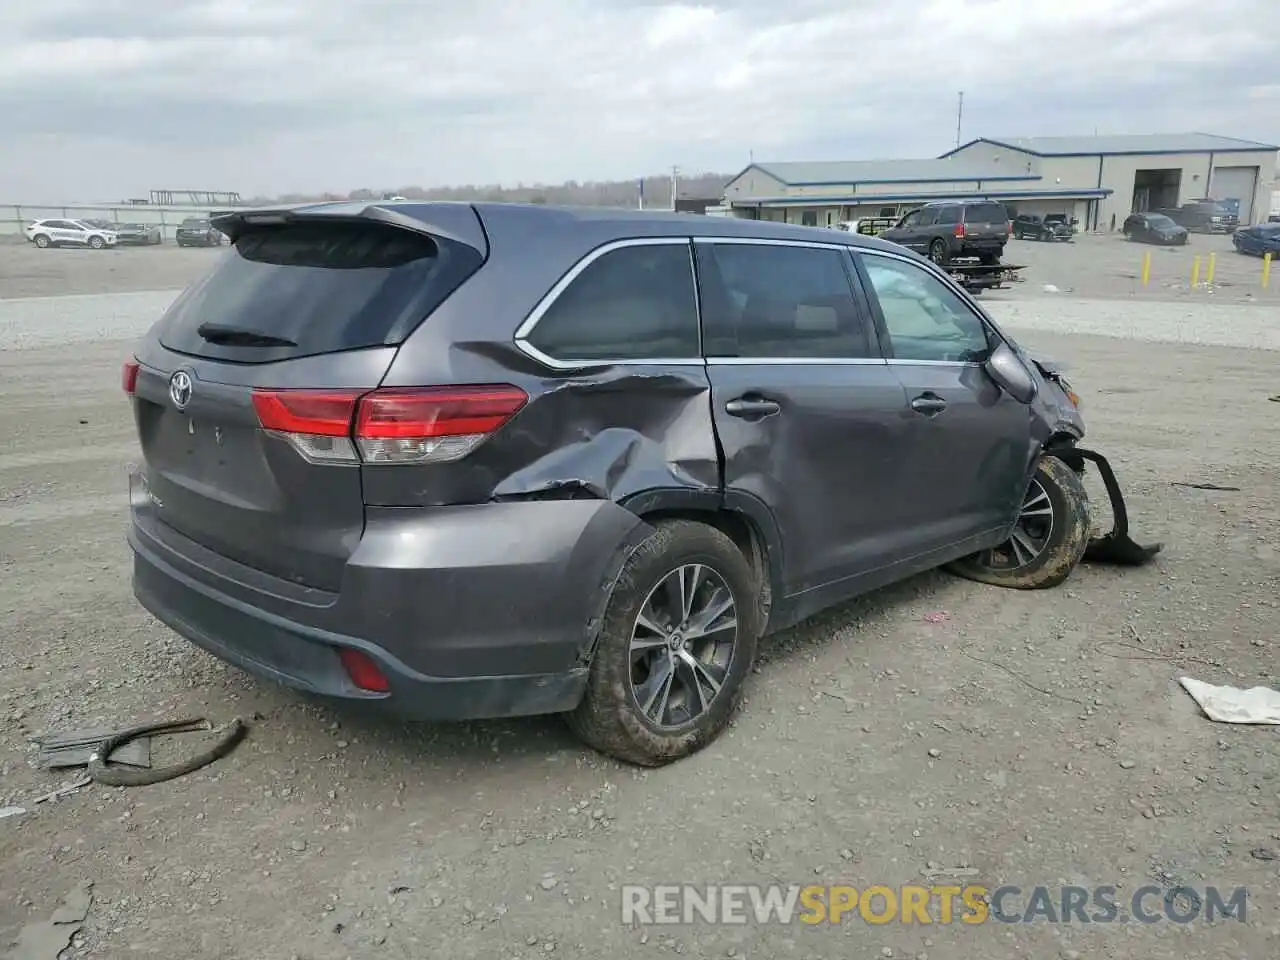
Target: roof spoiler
[[458, 222]]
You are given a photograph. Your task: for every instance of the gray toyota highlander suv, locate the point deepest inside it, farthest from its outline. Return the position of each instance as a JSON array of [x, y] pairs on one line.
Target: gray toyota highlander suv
[[484, 460]]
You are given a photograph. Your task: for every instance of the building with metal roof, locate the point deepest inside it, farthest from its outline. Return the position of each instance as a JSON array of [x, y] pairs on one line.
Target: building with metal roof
[[1132, 144], [1096, 180]]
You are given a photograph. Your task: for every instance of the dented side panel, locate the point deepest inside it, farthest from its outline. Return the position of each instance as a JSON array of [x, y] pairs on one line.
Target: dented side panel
[[621, 431]]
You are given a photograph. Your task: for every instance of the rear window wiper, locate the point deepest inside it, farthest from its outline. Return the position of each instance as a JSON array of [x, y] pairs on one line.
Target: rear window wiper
[[240, 336]]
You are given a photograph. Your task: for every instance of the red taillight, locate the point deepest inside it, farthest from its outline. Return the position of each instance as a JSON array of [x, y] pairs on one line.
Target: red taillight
[[437, 412], [432, 424], [319, 413], [363, 670], [129, 377], [959, 234], [395, 425]]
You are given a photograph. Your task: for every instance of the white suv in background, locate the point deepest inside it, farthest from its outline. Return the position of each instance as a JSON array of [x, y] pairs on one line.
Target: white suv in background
[[70, 233]]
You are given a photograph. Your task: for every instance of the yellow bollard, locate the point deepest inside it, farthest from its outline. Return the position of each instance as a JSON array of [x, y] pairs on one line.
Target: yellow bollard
[[1146, 267], [1195, 271], [1266, 270], [1208, 275]]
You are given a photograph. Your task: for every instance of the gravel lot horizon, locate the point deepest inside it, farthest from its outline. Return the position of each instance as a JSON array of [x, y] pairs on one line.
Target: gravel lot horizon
[[935, 732]]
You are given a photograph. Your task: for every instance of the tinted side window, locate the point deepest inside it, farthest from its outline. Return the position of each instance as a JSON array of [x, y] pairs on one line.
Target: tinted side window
[[928, 215], [925, 319], [632, 303], [778, 301], [948, 215]]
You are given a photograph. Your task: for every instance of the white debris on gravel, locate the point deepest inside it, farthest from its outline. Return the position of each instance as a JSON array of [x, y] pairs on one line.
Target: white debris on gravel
[[1227, 704], [54, 321]]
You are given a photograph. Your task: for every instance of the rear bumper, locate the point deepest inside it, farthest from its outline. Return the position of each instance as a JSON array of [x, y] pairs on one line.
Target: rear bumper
[[464, 624], [975, 247]]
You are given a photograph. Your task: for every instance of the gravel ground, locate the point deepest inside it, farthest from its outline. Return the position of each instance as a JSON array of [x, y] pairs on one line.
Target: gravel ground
[[1108, 266], [1030, 739]]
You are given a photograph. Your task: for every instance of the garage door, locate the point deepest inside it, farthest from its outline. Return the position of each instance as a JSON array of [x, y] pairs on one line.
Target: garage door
[[1236, 183]]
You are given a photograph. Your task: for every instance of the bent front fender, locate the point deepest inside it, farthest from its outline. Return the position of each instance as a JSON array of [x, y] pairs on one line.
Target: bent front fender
[[1074, 456]]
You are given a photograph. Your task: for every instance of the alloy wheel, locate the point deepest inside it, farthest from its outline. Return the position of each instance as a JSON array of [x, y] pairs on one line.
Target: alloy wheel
[[1030, 536], [682, 645]]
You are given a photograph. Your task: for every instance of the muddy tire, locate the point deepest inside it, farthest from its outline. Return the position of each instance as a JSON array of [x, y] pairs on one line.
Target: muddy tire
[[1048, 540], [676, 643]]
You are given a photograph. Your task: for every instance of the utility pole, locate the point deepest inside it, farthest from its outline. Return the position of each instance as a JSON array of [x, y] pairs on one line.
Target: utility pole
[[959, 116], [675, 174]]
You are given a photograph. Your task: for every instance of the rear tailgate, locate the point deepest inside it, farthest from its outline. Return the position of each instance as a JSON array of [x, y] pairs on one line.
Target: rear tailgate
[[314, 300], [986, 221]]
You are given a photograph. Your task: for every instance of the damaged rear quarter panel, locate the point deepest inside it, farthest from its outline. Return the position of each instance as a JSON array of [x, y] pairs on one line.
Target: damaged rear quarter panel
[[608, 434], [628, 430]]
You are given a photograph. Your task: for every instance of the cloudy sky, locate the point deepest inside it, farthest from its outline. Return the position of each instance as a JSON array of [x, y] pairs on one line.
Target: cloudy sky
[[103, 99]]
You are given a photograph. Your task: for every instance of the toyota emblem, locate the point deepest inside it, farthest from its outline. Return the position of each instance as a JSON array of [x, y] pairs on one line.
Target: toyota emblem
[[180, 388]]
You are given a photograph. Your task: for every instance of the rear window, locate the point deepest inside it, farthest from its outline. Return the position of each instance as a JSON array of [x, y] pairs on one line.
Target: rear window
[[985, 213], [325, 287]]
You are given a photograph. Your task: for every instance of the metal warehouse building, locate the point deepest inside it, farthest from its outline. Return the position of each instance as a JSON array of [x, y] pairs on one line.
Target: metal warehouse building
[[1097, 180]]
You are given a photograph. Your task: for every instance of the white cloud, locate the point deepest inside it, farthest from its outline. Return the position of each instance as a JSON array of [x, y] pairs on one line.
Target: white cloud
[[104, 99]]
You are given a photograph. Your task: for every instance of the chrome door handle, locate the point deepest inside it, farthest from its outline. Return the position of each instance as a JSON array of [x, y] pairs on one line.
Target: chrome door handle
[[928, 404], [752, 407]]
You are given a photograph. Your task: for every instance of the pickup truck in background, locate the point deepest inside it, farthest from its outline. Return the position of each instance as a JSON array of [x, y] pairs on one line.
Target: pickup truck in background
[[1204, 216]]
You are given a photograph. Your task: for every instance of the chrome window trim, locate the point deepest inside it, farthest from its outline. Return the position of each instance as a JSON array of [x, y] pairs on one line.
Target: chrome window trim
[[797, 361], [548, 300], [835, 361], [770, 242]]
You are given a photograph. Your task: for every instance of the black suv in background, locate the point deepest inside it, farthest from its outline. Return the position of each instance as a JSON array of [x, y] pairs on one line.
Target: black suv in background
[[1154, 228], [949, 230], [1203, 216], [197, 232]]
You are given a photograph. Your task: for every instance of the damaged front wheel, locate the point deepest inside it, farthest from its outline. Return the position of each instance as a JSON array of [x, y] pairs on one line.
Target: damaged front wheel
[[1047, 540]]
